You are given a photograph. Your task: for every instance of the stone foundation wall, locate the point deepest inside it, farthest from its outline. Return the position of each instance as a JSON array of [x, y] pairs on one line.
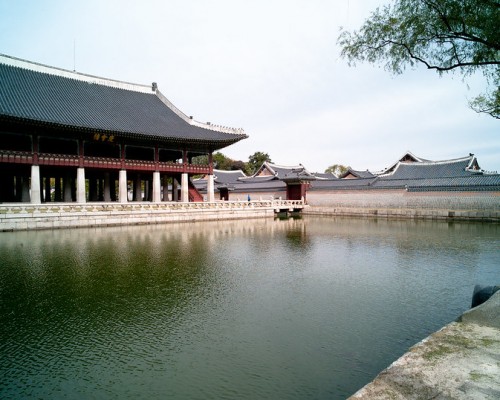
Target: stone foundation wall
[[483, 206], [54, 216]]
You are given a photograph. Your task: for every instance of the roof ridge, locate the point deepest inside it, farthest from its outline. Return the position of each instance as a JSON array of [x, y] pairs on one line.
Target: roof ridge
[[422, 163], [65, 73], [425, 163], [191, 121], [285, 166], [232, 171]]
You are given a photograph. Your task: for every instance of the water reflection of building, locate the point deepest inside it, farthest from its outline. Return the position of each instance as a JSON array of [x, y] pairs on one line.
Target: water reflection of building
[[69, 137]]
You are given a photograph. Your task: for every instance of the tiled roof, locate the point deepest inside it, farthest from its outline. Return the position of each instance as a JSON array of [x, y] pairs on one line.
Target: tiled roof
[[299, 176], [280, 171], [475, 182], [357, 174], [422, 175], [258, 179], [341, 184], [406, 157], [45, 95], [437, 169], [227, 177], [449, 175], [325, 176]]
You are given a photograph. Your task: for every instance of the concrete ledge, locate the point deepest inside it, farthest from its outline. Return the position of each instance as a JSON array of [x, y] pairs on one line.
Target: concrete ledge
[[486, 314], [15, 217], [461, 361], [407, 213]]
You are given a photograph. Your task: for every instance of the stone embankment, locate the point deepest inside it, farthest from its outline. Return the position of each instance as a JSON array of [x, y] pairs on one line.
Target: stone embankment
[[407, 213], [460, 361], [15, 217]]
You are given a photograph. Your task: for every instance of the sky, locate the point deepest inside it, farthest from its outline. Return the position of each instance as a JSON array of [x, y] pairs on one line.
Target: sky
[[271, 67]]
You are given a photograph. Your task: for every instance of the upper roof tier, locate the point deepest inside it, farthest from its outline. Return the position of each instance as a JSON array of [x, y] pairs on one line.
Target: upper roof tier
[[37, 93]]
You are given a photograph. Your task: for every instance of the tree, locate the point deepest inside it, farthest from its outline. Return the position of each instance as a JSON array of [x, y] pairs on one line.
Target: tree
[[256, 160], [336, 169], [200, 160], [443, 35], [238, 164], [221, 161]]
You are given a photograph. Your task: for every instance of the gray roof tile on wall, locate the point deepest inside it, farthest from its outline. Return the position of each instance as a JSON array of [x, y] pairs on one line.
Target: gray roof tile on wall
[[343, 184], [417, 170]]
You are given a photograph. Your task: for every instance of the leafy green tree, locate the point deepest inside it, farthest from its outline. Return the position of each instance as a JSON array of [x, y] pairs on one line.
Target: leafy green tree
[[256, 160], [336, 169], [221, 161], [443, 35], [238, 164], [200, 160]]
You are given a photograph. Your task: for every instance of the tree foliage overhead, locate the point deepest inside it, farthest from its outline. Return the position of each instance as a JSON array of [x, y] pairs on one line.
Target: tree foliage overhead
[[222, 162], [336, 169], [443, 35]]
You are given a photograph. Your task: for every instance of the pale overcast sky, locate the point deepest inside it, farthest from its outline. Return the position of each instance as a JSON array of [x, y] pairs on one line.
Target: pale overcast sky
[[271, 67]]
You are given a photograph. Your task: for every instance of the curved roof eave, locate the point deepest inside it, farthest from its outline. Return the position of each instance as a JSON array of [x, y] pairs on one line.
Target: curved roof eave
[[214, 144]]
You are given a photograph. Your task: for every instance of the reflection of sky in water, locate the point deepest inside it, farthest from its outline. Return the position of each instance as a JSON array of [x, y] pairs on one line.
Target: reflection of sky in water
[[307, 308]]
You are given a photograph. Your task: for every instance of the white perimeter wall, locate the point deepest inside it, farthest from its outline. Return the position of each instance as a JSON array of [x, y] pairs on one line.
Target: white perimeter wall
[[462, 205]]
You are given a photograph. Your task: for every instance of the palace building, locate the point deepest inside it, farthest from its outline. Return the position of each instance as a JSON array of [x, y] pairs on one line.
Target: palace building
[[71, 137], [410, 187]]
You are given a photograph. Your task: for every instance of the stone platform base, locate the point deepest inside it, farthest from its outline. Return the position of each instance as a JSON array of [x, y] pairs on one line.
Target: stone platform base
[[15, 217]]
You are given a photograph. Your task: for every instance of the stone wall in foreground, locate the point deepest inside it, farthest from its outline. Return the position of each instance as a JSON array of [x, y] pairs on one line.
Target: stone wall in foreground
[[460, 361], [483, 206]]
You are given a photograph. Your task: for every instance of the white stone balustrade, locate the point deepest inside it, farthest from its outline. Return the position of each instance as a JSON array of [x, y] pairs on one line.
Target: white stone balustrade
[[25, 216]]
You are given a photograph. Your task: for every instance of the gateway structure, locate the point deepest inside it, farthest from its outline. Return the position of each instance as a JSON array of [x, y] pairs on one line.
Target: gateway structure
[[70, 137]]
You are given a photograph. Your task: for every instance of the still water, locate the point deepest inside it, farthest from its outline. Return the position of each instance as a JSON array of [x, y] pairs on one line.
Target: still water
[[312, 308]]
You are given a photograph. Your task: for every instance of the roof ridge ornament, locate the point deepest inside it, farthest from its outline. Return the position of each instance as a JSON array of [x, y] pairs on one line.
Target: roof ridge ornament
[[65, 73]]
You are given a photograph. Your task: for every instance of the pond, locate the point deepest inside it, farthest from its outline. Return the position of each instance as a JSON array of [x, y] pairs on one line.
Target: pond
[[310, 308]]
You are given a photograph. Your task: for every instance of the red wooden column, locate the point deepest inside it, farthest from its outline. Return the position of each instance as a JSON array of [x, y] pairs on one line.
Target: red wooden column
[[184, 161], [35, 149], [122, 155], [80, 153], [210, 163]]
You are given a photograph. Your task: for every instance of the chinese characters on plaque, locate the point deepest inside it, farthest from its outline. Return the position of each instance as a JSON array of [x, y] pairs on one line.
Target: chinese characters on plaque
[[102, 137]]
